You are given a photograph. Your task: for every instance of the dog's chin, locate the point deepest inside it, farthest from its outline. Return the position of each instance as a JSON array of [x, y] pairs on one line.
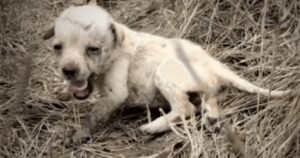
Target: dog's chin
[[81, 89]]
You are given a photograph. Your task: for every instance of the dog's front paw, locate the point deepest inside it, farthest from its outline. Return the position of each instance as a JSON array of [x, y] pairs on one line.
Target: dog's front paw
[[157, 126], [148, 128], [78, 137]]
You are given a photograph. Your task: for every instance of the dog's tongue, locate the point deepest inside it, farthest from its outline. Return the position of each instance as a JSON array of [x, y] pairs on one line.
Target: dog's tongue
[[79, 88], [82, 94]]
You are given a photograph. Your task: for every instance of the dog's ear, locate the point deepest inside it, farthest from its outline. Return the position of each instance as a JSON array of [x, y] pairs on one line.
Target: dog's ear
[[49, 33], [118, 34], [92, 2]]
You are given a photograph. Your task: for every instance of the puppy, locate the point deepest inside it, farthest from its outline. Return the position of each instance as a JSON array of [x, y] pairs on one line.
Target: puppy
[[94, 51]]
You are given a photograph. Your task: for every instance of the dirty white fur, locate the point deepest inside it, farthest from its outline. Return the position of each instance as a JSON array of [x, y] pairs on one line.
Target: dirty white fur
[[137, 64]]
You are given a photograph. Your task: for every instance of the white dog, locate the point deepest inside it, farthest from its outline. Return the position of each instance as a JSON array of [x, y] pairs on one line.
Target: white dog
[[93, 49]]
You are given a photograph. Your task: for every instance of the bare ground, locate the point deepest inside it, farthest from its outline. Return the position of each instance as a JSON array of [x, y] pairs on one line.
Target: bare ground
[[257, 39]]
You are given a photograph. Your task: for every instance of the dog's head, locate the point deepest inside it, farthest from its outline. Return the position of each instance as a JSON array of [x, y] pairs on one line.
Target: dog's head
[[85, 41]]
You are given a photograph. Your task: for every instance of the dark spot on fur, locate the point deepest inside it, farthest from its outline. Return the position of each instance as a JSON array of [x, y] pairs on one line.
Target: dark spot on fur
[[221, 89], [88, 27], [195, 98]]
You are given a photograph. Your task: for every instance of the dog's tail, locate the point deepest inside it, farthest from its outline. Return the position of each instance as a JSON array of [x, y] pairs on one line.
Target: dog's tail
[[228, 77]]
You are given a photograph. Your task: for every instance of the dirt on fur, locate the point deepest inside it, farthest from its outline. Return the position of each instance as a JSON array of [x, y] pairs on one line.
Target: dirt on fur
[[257, 39]]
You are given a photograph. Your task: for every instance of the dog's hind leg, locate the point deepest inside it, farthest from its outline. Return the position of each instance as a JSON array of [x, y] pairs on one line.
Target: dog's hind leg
[[168, 83], [211, 109]]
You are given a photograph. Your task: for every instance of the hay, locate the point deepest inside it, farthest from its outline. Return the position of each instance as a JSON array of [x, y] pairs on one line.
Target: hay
[[257, 39]]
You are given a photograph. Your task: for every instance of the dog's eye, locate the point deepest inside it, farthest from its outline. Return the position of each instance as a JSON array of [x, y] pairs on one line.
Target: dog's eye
[[57, 47], [93, 50]]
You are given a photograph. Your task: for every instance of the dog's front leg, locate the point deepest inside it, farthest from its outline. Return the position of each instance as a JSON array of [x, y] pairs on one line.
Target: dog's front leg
[[116, 91]]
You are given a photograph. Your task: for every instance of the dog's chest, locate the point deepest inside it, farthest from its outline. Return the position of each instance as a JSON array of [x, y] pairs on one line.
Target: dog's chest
[[141, 83]]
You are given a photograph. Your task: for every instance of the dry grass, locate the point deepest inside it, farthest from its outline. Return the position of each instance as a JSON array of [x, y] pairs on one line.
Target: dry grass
[[258, 39]]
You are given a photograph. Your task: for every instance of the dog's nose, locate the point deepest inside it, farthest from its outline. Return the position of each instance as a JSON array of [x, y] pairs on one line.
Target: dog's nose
[[70, 71]]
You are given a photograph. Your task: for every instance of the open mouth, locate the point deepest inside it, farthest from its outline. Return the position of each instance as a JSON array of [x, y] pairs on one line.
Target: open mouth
[[81, 89]]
